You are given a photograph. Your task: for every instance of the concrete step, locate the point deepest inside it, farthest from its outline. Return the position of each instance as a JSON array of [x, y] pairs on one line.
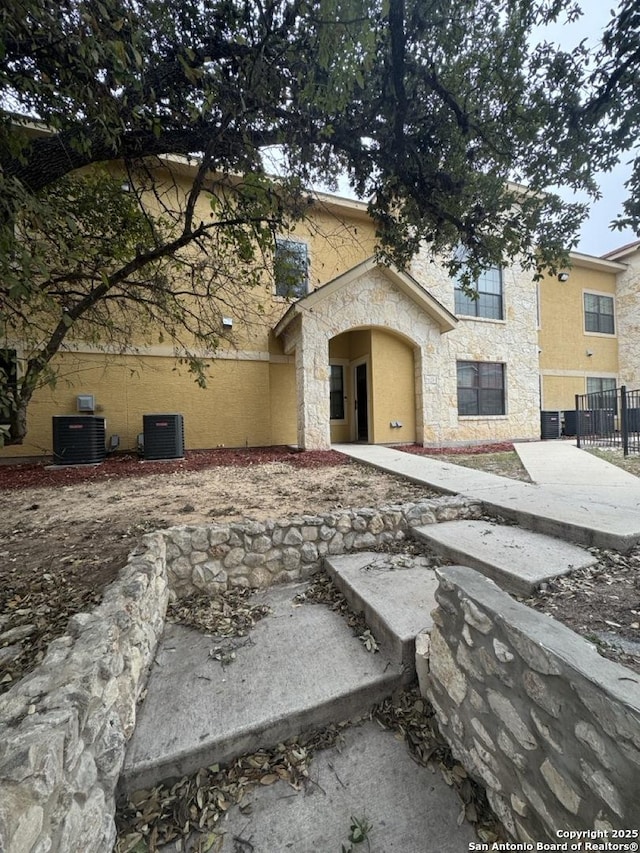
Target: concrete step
[[396, 594], [369, 775], [299, 668], [517, 560]]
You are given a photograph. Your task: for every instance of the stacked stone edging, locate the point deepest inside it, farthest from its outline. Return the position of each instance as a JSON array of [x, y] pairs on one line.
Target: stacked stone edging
[[64, 727], [549, 727], [257, 554]]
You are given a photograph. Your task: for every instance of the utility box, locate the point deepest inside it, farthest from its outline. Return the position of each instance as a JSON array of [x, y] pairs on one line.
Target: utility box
[[163, 436], [78, 439]]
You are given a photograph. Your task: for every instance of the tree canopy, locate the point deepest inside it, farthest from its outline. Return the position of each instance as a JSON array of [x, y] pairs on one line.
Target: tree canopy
[[438, 111]]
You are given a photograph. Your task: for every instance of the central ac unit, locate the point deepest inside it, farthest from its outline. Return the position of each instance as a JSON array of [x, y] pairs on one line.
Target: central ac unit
[[163, 436], [78, 439]]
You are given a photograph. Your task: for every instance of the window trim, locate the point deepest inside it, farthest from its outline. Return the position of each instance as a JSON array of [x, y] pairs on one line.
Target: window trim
[[599, 295], [475, 303], [281, 243], [479, 364]]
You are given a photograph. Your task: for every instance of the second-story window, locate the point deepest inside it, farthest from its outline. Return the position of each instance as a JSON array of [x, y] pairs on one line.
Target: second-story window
[[291, 268], [598, 314], [488, 300]]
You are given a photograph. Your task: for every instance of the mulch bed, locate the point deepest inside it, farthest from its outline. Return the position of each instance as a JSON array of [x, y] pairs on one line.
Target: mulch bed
[[458, 450], [41, 474]]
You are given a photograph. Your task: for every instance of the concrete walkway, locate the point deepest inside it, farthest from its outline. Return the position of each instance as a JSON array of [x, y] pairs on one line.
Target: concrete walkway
[[576, 497], [561, 463]]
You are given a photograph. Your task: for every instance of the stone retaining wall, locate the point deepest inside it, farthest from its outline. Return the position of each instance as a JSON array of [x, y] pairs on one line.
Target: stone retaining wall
[[550, 728], [258, 554], [64, 727]]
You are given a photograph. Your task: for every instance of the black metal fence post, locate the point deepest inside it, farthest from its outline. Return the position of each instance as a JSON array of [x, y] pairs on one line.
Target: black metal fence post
[[624, 425], [578, 419]]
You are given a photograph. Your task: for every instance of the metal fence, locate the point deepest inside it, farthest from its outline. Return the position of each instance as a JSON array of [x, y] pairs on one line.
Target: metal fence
[[608, 419]]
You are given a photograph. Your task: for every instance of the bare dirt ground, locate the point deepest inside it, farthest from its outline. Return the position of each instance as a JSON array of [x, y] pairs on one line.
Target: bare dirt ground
[[61, 543], [65, 533]]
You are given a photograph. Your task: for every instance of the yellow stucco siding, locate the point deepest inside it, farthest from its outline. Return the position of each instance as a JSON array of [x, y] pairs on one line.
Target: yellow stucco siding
[[359, 343], [568, 353], [393, 388], [282, 380], [558, 392], [251, 393], [336, 241], [265, 390], [236, 408]]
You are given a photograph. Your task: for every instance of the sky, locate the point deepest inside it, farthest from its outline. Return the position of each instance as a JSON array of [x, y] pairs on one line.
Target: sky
[[596, 237]]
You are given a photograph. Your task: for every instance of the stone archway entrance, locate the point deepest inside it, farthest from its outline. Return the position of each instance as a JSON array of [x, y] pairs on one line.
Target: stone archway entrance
[[375, 372], [373, 315]]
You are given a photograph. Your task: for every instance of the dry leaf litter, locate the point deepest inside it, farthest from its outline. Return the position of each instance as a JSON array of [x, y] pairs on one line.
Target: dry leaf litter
[[602, 603], [188, 812]]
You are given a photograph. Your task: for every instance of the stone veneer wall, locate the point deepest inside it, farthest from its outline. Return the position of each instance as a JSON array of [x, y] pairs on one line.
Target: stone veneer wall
[[512, 341], [258, 554], [628, 323], [64, 727], [549, 727]]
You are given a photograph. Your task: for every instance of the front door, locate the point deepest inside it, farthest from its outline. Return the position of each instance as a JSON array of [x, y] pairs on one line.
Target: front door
[[362, 403]]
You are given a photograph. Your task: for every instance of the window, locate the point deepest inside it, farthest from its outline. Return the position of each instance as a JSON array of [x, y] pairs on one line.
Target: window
[[336, 392], [291, 268], [489, 296], [598, 314], [8, 381], [604, 393], [480, 388], [597, 384]]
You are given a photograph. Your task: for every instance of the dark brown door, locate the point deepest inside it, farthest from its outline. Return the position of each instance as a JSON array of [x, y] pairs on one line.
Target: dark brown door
[[362, 404]]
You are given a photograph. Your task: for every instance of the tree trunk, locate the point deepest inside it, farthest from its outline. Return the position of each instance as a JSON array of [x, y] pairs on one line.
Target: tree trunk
[[18, 418]]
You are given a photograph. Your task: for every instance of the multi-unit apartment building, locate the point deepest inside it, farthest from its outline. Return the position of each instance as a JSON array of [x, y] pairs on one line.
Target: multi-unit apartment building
[[346, 349]]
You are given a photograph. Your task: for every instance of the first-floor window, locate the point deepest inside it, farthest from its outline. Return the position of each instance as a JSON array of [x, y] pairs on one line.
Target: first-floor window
[[480, 388], [8, 381], [604, 393], [597, 384], [336, 392]]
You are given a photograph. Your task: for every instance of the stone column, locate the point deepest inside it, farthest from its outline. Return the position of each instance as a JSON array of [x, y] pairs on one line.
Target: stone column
[[312, 388]]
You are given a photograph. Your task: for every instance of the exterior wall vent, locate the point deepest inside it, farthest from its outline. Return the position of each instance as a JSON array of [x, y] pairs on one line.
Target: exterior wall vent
[[78, 439], [163, 436]]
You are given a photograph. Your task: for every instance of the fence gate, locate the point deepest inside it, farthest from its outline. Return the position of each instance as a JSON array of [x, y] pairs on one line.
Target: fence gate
[[609, 419]]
